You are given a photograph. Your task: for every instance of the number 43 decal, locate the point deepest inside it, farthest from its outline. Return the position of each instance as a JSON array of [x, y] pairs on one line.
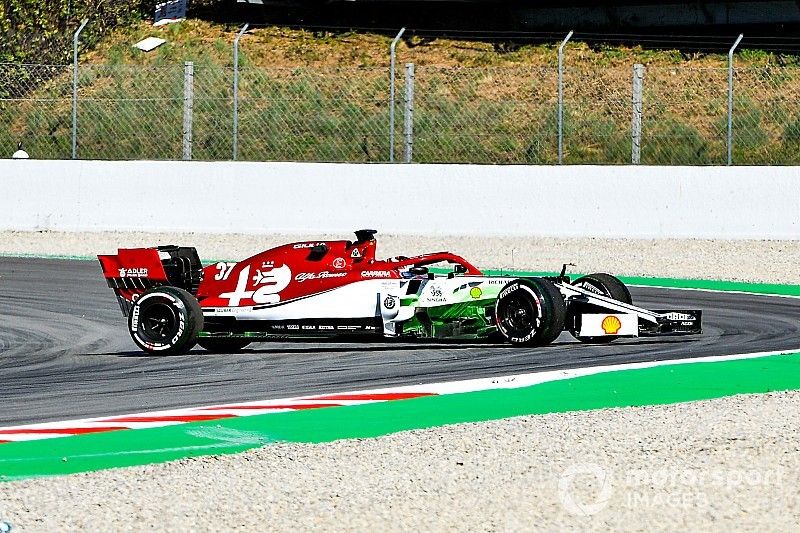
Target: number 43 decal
[[225, 270]]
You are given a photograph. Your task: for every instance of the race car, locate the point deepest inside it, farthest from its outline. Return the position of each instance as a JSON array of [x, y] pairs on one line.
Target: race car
[[325, 288]]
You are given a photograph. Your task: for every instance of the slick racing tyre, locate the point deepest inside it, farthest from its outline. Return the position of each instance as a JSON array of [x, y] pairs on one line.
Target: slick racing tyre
[[604, 285], [165, 321], [530, 312], [222, 344]]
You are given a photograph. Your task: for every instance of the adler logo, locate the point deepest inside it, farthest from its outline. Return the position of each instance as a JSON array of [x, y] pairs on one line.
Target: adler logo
[[133, 272]]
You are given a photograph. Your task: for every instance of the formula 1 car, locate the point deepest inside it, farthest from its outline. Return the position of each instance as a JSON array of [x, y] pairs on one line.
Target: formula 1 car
[[318, 289]]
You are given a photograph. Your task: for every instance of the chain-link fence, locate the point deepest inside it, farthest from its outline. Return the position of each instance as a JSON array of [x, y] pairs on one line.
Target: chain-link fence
[[685, 116], [35, 107], [505, 115], [487, 115], [304, 114]]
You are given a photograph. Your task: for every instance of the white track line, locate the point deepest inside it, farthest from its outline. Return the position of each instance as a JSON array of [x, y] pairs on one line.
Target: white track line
[[210, 413]]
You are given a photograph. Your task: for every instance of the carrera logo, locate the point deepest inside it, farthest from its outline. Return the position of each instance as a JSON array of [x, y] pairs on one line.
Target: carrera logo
[[611, 325], [305, 276], [133, 272], [376, 274]]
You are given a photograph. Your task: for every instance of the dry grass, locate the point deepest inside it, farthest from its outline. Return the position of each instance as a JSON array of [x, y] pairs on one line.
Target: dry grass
[[283, 47], [474, 103]]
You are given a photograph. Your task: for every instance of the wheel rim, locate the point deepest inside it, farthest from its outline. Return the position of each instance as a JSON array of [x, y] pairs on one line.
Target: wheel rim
[[518, 314], [159, 322]]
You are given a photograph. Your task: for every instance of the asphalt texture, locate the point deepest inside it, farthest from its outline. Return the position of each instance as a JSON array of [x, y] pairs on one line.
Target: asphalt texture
[[65, 351]]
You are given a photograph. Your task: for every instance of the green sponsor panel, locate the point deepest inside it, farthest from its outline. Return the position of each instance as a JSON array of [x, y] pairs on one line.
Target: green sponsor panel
[[647, 386], [466, 320]]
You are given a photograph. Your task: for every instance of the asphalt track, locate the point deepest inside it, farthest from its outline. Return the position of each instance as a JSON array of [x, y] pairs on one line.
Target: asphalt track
[[65, 352]]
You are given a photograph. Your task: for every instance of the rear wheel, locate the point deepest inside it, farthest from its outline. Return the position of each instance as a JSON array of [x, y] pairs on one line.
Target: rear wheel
[[223, 344], [165, 321], [604, 285], [530, 312]]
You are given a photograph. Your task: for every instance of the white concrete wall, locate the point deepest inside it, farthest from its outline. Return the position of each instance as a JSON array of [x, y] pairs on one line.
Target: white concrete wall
[[569, 201]]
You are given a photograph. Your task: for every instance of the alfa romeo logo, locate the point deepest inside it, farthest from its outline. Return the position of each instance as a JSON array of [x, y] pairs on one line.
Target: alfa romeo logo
[[389, 302]]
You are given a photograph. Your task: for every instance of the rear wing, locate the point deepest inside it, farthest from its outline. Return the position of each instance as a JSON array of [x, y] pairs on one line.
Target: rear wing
[[134, 270]]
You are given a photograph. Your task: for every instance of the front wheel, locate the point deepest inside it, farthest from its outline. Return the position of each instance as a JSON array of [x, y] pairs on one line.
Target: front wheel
[[165, 321], [530, 312], [604, 285]]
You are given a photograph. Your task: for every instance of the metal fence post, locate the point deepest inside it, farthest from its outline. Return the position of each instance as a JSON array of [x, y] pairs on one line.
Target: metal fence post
[[75, 38], [636, 120], [236, 91], [188, 102], [730, 98], [561, 97], [391, 92], [408, 129]]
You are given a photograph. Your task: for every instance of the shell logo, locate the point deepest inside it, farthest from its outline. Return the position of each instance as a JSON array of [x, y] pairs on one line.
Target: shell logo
[[475, 292], [611, 325]]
